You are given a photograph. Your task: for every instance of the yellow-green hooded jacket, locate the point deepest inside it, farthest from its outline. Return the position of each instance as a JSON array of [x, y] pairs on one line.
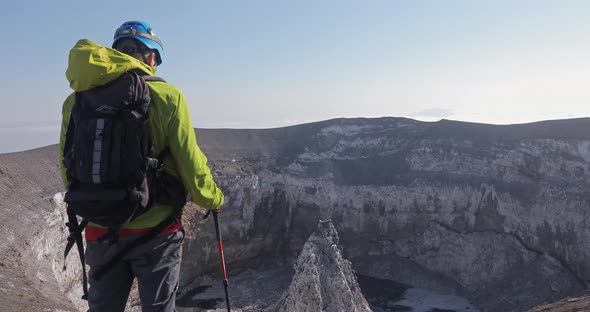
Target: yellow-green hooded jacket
[[91, 65]]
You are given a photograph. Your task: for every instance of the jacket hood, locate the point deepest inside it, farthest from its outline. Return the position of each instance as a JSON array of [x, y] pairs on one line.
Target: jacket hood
[[91, 65]]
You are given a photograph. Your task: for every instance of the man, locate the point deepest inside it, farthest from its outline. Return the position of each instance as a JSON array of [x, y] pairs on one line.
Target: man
[[155, 263]]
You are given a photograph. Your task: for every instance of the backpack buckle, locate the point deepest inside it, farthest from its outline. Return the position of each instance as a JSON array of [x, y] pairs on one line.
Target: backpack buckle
[[153, 163], [159, 170], [156, 165]]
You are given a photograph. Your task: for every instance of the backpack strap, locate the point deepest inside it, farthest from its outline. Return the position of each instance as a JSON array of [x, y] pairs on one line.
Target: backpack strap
[[68, 143], [153, 78], [76, 237]]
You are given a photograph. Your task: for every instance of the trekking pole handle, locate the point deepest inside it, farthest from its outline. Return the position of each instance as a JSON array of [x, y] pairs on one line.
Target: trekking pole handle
[[217, 232]]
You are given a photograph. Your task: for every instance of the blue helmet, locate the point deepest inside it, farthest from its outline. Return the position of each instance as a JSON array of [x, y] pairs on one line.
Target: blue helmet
[[143, 32]]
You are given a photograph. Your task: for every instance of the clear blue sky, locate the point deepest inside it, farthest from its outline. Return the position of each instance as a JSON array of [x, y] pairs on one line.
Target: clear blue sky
[[259, 64]]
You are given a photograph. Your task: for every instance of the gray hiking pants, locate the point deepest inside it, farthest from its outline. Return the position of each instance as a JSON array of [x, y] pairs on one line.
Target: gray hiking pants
[[156, 264]]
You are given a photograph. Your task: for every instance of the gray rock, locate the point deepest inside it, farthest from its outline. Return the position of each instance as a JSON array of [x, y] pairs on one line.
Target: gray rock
[[324, 280], [495, 214]]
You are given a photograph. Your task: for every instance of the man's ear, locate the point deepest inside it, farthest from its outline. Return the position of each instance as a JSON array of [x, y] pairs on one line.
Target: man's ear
[[151, 59]]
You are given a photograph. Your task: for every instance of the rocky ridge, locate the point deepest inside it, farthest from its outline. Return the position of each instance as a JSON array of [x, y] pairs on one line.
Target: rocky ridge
[[496, 214], [323, 280]]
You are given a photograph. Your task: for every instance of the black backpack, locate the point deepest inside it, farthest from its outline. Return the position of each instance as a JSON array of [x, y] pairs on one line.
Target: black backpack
[[108, 154], [112, 170]]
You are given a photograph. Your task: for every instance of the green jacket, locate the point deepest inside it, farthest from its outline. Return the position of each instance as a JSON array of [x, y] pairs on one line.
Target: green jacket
[[91, 65]]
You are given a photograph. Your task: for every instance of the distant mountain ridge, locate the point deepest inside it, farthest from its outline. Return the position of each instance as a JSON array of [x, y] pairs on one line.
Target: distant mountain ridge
[[494, 213]]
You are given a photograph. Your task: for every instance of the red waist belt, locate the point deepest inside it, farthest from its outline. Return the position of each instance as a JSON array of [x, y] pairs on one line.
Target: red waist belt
[[93, 233]]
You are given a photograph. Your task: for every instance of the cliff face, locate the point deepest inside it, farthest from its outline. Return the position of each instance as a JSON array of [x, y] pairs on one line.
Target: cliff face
[[32, 231], [496, 214], [457, 207]]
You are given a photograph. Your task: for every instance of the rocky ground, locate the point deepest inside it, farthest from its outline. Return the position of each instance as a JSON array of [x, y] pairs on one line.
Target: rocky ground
[[441, 216], [577, 304]]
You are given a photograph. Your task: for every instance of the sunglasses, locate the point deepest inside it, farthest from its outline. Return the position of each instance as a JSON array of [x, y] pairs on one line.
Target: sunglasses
[[132, 50]]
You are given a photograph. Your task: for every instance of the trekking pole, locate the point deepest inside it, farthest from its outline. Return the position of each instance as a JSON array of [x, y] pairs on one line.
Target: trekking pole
[[220, 244]]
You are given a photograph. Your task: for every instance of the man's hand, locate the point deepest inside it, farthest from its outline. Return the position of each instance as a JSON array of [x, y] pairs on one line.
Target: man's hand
[[216, 211]]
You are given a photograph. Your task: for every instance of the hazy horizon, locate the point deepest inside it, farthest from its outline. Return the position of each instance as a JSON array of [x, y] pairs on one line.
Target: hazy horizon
[[266, 64], [37, 134]]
